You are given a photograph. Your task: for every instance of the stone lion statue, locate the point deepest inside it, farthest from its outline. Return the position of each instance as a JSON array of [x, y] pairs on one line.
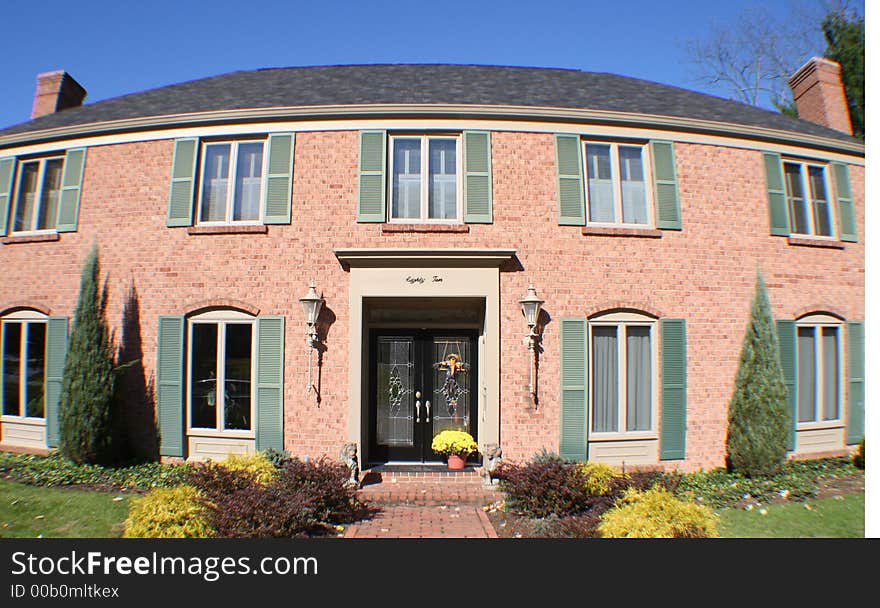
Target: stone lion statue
[[348, 455], [491, 460]]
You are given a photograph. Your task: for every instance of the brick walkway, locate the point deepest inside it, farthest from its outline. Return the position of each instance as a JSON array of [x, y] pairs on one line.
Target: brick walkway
[[425, 505]]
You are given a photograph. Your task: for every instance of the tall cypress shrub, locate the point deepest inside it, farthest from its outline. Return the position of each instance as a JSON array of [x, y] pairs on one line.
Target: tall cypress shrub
[[758, 417], [87, 390]]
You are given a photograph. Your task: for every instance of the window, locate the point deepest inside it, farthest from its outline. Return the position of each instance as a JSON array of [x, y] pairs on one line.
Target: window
[[425, 178], [617, 184], [622, 374], [37, 194], [24, 367], [231, 182], [220, 375], [819, 383], [806, 193]]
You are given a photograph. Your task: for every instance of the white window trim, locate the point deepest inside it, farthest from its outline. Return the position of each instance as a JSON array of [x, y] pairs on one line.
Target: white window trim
[[808, 199], [820, 321], [623, 320], [230, 190], [23, 317], [616, 184], [221, 318], [425, 194], [38, 196]]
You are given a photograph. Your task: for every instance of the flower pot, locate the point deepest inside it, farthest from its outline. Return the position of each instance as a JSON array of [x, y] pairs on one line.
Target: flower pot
[[455, 462]]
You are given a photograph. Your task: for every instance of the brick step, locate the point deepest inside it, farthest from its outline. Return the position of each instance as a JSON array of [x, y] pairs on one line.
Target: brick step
[[425, 486]]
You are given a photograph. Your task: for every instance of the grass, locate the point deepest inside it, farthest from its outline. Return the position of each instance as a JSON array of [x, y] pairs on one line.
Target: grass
[[839, 517], [28, 512]]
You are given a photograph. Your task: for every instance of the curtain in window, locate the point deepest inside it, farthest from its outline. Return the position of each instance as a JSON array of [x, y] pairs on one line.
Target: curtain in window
[[215, 183], [248, 181], [796, 202], [406, 180], [830, 373], [806, 375], [822, 210], [599, 186], [27, 191], [441, 179], [605, 387], [638, 379], [632, 186], [51, 193]]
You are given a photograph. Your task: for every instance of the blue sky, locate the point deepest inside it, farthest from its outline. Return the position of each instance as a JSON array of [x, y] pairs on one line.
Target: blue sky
[[115, 47]]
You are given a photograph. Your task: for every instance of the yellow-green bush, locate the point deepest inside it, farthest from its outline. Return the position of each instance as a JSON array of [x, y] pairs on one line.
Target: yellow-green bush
[[168, 513], [257, 464], [656, 513], [597, 477]]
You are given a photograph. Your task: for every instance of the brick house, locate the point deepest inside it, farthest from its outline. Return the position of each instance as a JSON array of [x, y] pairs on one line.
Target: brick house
[[423, 202]]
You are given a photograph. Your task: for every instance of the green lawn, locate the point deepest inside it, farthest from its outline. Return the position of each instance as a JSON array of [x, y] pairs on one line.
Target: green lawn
[[29, 511], [842, 517]]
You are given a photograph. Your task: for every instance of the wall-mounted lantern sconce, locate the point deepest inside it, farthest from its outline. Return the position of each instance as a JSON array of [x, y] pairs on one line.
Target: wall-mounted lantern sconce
[[312, 304], [531, 308]]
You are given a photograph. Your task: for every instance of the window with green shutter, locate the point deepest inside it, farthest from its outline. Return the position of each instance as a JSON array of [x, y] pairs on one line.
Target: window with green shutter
[[673, 425]]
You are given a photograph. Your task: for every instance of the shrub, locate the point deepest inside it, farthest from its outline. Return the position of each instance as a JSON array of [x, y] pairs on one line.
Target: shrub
[[656, 513], [276, 457], [544, 486], [176, 512], [326, 483], [263, 470], [759, 420], [86, 417], [451, 441], [597, 477], [858, 458]]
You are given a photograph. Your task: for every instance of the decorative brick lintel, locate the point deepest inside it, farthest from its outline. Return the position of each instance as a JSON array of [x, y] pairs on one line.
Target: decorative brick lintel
[[31, 238], [648, 233], [248, 229], [398, 228], [805, 242]]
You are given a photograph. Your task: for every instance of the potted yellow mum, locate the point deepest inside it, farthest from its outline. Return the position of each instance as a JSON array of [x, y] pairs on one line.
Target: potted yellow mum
[[455, 445]]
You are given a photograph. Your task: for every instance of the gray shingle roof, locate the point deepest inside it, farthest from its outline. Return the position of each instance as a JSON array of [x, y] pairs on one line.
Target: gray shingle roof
[[423, 84]]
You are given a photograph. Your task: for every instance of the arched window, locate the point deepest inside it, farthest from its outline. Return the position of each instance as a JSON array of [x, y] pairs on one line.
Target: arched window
[[24, 365], [819, 370]]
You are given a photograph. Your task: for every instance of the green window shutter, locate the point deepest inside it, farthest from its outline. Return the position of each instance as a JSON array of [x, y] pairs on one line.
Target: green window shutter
[[673, 419], [787, 336], [846, 211], [270, 382], [570, 180], [56, 353], [7, 169], [477, 177], [169, 383], [665, 186], [71, 188], [181, 191], [779, 225], [279, 179], [855, 338], [573, 394], [371, 180]]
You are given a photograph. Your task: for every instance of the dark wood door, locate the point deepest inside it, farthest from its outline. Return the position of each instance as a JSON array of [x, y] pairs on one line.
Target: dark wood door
[[421, 382]]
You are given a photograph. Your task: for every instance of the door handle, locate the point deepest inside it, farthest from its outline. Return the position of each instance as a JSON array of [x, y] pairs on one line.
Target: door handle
[[418, 410], [428, 410]]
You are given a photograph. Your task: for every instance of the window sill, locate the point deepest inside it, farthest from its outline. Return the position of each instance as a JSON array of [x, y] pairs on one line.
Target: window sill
[[245, 229], [424, 228], [800, 241], [32, 420], [237, 435], [31, 238], [648, 233], [631, 436]]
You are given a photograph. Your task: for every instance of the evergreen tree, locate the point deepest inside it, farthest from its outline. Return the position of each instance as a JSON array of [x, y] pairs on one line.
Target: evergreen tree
[[758, 418], [87, 390], [846, 45]]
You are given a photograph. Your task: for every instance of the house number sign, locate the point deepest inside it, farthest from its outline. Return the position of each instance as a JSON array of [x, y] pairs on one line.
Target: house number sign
[[420, 280]]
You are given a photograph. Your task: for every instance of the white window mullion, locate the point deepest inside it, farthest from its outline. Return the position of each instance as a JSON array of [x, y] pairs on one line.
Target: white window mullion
[[616, 185], [621, 378], [231, 179], [808, 199], [817, 385], [22, 370], [221, 376], [424, 199]]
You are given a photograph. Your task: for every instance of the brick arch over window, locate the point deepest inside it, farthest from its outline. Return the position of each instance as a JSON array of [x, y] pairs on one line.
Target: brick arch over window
[[820, 309], [625, 306], [194, 308], [10, 307]]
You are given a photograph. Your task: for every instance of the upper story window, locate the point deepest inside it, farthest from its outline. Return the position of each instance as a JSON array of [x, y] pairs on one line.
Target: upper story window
[[806, 192], [37, 194], [425, 176], [617, 184], [231, 181], [24, 365]]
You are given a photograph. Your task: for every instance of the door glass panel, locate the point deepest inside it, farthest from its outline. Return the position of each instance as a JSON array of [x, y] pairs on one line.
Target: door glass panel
[[450, 406], [806, 374], [203, 382], [394, 391], [36, 368], [237, 377], [11, 369], [831, 372]]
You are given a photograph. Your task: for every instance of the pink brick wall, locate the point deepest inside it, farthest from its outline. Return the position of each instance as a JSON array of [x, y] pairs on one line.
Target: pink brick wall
[[704, 273]]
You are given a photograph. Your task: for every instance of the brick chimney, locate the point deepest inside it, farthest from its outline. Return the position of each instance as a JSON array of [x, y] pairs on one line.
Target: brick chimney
[[818, 92], [56, 91]]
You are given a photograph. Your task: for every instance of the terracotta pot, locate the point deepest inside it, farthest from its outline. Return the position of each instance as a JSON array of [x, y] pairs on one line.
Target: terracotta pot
[[455, 462]]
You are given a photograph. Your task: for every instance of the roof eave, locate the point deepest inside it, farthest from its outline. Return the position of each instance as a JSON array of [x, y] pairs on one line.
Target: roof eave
[[546, 114]]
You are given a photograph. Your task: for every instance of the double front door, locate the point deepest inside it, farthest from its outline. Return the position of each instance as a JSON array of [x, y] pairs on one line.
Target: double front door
[[421, 382]]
